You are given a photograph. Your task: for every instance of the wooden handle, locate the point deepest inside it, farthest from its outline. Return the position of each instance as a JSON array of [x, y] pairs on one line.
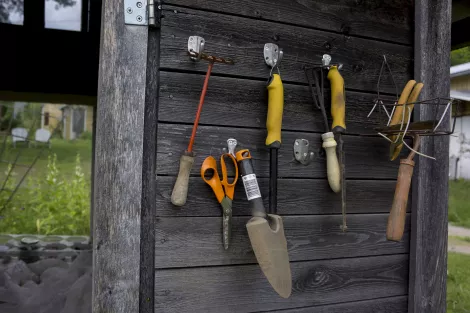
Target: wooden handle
[[180, 190], [332, 165], [395, 149], [338, 104], [275, 109], [396, 219]]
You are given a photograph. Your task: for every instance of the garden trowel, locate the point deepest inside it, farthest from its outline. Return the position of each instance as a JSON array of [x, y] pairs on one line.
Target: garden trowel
[[266, 232]]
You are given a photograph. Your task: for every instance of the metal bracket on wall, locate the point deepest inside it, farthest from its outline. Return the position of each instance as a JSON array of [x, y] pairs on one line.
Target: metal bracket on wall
[[301, 153], [141, 12], [195, 47]]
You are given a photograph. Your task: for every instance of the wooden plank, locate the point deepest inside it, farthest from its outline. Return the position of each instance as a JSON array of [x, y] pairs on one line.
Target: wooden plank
[[147, 233], [118, 163], [428, 262], [362, 18], [245, 289], [243, 40], [191, 241], [245, 103], [383, 305], [366, 157], [295, 196]]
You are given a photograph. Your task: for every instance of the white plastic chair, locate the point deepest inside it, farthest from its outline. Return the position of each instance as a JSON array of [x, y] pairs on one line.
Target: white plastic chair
[[19, 134], [42, 135]]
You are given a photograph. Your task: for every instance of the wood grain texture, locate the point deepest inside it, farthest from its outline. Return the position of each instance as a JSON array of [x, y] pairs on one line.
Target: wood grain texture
[[244, 43], [243, 102], [295, 197], [384, 305], [244, 288], [190, 241], [363, 18], [118, 163], [149, 156], [366, 157], [428, 255]]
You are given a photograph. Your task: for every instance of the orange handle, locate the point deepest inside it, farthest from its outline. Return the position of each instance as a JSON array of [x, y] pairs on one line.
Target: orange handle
[[396, 219], [243, 155], [229, 187], [209, 167]]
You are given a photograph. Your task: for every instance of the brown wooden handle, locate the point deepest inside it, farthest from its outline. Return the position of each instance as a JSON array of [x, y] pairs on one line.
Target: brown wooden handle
[[180, 190], [396, 219]]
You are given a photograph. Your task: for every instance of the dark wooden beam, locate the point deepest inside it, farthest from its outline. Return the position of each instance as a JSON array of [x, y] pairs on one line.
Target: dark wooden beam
[[428, 246], [119, 151], [34, 15], [149, 183]]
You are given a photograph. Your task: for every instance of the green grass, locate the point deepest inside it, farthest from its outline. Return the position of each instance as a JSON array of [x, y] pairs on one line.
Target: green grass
[[66, 152], [459, 203], [458, 283]]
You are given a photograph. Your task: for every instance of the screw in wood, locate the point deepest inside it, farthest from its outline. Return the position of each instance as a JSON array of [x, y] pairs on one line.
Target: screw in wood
[[129, 10], [139, 18]]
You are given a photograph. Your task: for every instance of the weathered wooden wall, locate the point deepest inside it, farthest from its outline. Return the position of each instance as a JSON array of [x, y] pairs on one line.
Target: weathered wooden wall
[[357, 271]]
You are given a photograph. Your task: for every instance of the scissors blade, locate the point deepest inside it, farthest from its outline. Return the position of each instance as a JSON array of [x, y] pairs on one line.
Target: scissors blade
[[226, 221]]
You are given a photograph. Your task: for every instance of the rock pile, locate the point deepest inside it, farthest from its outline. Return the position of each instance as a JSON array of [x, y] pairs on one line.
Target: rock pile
[[47, 286]]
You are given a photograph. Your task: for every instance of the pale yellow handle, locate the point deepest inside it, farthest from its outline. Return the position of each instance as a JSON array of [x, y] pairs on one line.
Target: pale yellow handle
[[275, 109], [180, 190], [332, 164]]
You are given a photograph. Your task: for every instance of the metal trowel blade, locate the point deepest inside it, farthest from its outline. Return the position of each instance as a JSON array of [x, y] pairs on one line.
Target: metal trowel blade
[[270, 246]]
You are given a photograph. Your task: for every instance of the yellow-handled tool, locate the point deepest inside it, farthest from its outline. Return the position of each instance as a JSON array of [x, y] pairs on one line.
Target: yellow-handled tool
[[338, 104], [338, 113], [275, 110], [273, 56]]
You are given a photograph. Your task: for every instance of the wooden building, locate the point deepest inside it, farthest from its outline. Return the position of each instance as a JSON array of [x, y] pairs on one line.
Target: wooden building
[[151, 257]]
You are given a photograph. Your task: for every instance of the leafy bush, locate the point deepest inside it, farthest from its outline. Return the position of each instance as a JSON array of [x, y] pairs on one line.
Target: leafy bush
[[50, 204], [86, 135], [7, 121]]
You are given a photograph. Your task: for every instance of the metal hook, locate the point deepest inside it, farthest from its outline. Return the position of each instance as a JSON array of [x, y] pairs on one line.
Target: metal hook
[[273, 56]]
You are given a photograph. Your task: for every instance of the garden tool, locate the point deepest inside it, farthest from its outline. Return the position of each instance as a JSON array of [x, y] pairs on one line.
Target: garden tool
[[273, 56], [396, 219], [335, 169], [399, 128], [195, 51], [266, 232], [222, 188]]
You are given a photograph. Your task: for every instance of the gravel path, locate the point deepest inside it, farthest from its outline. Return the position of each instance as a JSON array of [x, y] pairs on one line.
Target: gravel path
[[459, 246], [459, 231]]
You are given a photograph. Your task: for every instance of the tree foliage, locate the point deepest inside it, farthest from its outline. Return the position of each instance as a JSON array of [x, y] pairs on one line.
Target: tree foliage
[[460, 56], [8, 7]]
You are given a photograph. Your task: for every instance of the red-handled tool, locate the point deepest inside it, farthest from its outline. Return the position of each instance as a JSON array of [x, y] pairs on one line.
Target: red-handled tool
[[180, 190]]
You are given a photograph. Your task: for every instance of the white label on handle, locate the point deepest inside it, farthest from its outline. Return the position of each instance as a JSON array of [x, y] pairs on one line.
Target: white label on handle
[[251, 187]]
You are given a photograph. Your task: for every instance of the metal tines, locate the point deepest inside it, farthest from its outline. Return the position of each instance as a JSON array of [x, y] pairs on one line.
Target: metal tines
[[434, 127]]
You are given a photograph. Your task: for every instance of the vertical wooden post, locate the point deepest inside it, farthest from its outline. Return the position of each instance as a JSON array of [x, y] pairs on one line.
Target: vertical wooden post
[[119, 162], [428, 251]]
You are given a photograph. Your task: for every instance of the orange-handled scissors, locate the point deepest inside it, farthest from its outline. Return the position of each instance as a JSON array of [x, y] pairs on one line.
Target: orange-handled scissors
[[222, 188]]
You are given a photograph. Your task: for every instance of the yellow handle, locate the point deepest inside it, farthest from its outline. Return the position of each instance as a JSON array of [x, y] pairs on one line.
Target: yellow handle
[[338, 105], [275, 108]]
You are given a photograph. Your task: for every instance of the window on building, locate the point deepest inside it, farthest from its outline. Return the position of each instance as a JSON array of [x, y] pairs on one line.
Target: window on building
[[12, 12]]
